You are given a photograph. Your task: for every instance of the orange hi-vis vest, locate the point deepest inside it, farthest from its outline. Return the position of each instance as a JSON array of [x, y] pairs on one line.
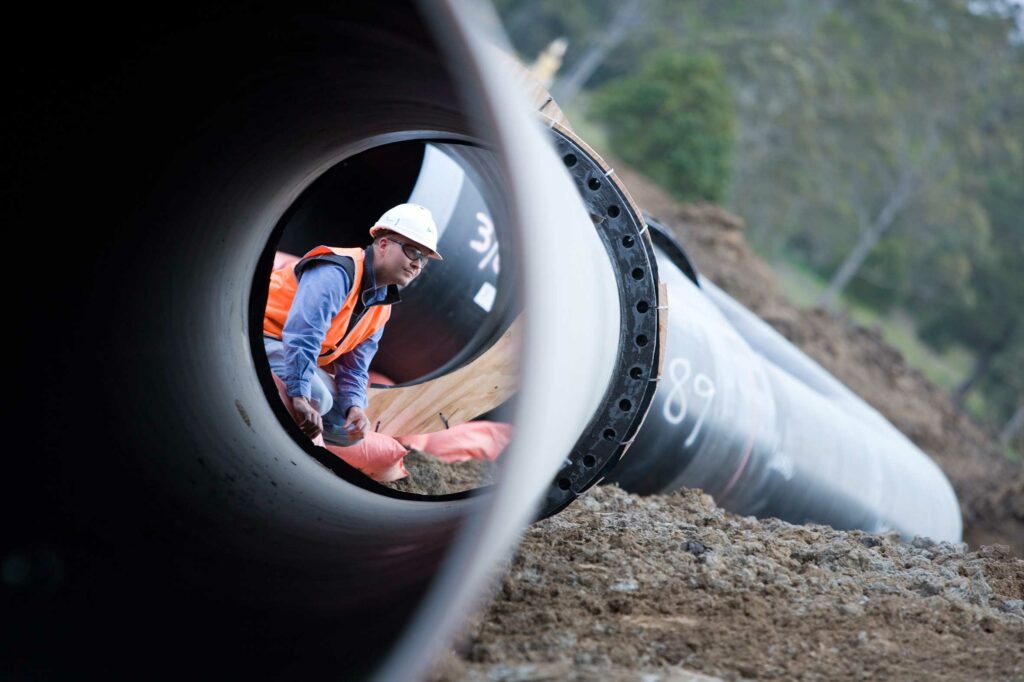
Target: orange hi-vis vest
[[340, 339]]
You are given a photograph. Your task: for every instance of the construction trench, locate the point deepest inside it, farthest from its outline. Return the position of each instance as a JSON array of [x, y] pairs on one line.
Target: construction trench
[[207, 528]]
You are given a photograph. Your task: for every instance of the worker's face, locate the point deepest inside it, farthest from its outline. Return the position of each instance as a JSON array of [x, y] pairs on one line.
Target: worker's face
[[392, 265]]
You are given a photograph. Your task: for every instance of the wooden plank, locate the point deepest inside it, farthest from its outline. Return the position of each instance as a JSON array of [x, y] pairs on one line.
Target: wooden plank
[[454, 398]]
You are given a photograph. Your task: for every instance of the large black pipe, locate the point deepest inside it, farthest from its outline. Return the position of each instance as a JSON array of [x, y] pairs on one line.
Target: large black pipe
[[155, 168], [164, 516], [745, 416], [170, 511]]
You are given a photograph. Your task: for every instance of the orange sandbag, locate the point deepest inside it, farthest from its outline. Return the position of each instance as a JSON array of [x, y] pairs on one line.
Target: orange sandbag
[[376, 455], [381, 457], [481, 440]]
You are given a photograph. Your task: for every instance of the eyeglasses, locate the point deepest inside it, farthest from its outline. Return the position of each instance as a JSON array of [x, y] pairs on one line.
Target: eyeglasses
[[411, 252]]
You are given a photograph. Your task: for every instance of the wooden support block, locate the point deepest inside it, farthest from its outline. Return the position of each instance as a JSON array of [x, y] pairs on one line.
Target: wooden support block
[[454, 398]]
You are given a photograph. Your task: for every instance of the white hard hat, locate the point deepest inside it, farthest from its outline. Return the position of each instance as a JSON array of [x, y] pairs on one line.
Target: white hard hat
[[412, 221]]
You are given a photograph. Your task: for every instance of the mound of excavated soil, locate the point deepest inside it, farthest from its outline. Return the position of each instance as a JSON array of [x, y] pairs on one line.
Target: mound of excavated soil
[[430, 476], [619, 587]]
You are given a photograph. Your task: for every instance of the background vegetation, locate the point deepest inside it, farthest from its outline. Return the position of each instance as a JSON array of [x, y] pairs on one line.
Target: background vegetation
[[875, 149]]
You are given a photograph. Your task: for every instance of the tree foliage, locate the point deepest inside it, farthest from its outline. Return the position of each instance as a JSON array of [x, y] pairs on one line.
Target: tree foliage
[[674, 119]]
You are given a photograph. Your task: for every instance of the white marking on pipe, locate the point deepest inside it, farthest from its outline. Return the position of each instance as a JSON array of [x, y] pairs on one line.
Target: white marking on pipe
[[485, 296]]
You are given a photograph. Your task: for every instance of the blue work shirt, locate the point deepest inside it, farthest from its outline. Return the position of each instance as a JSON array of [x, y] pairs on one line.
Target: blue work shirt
[[322, 290]]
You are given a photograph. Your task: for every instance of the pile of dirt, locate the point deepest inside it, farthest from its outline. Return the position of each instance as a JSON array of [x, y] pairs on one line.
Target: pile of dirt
[[430, 476], [621, 587]]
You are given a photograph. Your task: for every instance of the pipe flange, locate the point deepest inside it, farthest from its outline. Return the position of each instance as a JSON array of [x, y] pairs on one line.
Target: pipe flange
[[634, 380]]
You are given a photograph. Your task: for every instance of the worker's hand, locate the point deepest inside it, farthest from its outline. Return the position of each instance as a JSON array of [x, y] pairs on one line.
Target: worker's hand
[[307, 417], [356, 422]]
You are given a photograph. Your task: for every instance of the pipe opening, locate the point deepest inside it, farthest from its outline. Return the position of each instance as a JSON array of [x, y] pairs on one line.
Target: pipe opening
[[451, 313]]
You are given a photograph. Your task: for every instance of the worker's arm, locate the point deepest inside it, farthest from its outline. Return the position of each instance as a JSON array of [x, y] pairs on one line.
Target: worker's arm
[[321, 292], [351, 376]]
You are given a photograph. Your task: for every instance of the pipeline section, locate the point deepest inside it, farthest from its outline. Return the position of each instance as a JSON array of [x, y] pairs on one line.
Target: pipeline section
[[745, 416]]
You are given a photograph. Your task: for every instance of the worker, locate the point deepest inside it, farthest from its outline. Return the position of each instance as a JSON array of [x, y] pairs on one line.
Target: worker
[[326, 313]]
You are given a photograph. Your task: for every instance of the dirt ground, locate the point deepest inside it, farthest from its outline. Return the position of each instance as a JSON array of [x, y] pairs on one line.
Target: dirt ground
[[621, 587], [429, 476]]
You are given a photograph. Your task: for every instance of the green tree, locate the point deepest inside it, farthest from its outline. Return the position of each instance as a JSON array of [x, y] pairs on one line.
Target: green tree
[[991, 319], [912, 68], [674, 120]]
